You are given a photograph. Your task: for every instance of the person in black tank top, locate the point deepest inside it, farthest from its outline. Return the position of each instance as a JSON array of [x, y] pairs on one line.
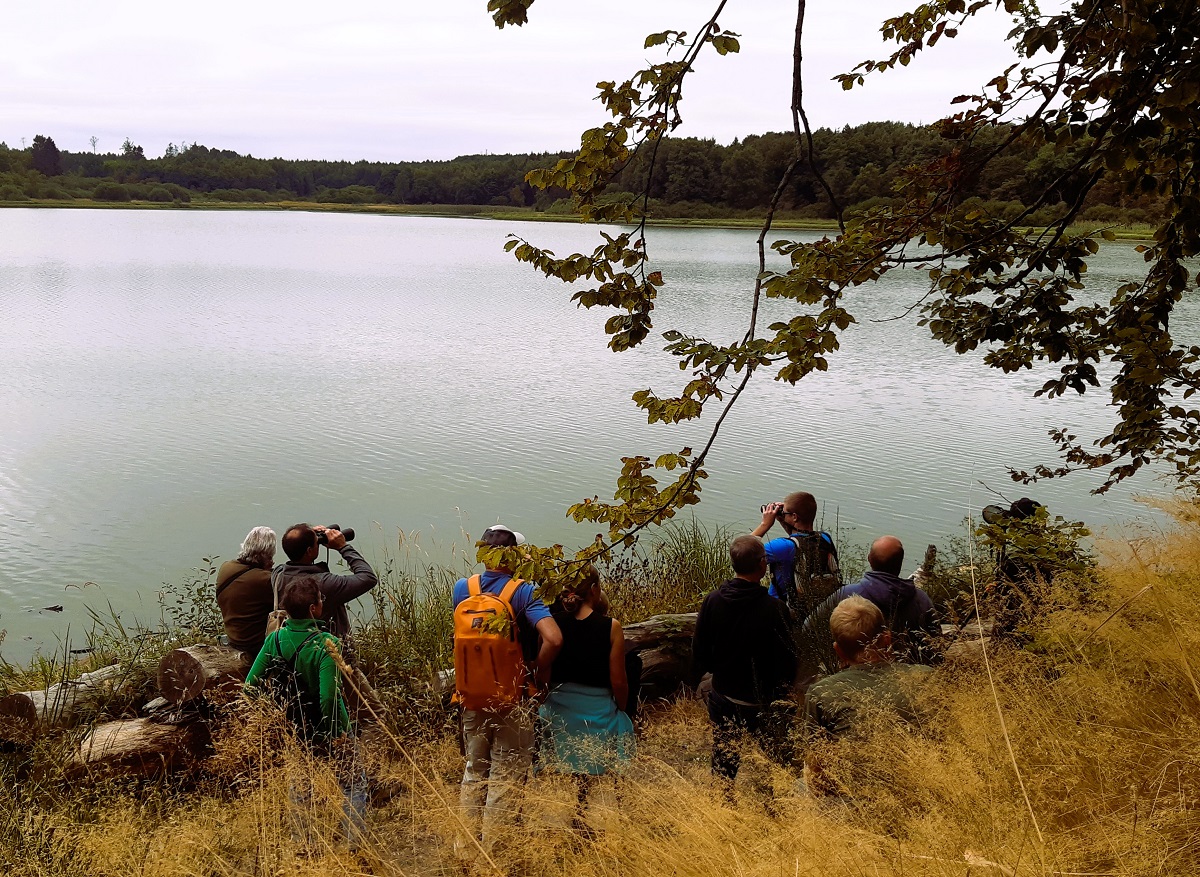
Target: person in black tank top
[[588, 732], [587, 644]]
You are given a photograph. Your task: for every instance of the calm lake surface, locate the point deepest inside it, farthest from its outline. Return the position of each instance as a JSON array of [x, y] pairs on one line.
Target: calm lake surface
[[173, 378]]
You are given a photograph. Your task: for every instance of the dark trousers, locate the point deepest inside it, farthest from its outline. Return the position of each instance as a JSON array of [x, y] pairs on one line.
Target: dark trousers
[[768, 725]]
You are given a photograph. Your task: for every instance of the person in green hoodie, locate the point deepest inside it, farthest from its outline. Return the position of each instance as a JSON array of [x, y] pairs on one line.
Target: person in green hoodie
[[302, 644]]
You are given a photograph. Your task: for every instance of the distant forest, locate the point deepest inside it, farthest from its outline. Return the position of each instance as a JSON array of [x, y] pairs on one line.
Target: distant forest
[[692, 178]]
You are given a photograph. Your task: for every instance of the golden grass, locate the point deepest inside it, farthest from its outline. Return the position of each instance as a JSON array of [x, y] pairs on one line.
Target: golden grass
[[1102, 709]]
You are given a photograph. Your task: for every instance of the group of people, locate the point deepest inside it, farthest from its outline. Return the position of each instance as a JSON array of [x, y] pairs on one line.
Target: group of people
[[841, 650], [554, 680]]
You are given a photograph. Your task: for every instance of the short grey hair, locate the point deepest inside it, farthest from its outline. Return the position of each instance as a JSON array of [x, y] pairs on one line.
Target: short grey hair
[[258, 548]]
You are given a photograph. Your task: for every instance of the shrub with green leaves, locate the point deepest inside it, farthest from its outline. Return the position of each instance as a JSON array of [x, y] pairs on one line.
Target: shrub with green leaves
[[110, 192]]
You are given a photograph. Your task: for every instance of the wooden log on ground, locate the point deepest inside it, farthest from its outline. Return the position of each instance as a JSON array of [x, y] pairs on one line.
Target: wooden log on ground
[[185, 674], [141, 747], [25, 713], [664, 643]]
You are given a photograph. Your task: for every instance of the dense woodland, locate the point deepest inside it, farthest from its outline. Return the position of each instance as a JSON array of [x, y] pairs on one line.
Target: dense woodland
[[692, 178]]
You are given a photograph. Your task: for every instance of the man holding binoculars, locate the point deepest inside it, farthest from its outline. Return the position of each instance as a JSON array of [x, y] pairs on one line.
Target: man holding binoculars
[[302, 543]]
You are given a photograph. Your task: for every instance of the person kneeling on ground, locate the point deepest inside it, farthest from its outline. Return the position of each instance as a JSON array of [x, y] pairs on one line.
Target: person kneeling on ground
[[244, 592], [871, 685], [908, 613], [588, 729], [297, 664], [743, 637]]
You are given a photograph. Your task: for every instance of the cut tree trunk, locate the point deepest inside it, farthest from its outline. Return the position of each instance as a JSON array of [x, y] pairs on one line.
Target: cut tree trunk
[[664, 643], [185, 674], [24, 713], [141, 747]]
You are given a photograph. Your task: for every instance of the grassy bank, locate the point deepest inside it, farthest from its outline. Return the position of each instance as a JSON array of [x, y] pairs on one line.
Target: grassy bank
[[1078, 754], [1125, 233]]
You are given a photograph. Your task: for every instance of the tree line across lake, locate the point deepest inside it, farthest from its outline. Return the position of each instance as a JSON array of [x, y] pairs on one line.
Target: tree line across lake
[[690, 179]]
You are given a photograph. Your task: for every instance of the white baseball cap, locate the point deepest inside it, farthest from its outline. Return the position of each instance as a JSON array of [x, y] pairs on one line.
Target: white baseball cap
[[500, 528]]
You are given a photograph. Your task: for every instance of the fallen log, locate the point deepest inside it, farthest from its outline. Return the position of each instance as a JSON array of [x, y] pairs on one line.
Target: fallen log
[[24, 713], [664, 644], [185, 674], [141, 747]]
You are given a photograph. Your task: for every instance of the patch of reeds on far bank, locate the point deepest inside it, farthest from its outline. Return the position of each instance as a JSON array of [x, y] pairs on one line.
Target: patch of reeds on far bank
[[1072, 750]]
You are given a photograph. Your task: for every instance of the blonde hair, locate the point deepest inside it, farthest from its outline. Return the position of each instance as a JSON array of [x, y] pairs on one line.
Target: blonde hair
[[856, 624]]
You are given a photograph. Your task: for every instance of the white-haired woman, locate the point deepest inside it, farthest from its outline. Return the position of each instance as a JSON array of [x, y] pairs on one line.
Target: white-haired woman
[[244, 591]]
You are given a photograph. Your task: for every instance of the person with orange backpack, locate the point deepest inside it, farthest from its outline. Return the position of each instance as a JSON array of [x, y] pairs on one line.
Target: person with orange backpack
[[497, 618]]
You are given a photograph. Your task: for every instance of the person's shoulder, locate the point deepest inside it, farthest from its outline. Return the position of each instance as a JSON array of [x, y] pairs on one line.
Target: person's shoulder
[[779, 548]]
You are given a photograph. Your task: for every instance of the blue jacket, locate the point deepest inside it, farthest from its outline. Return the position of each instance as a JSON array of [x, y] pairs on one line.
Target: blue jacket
[[907, 611]]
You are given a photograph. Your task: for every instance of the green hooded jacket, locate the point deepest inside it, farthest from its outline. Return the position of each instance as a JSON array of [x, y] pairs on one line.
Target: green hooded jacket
[[315, 667]]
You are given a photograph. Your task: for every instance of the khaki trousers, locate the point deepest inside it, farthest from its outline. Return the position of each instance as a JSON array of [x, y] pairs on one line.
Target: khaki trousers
[[499, 749]]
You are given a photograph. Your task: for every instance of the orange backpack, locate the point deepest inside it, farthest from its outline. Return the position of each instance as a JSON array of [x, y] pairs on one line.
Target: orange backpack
[[489, 668]]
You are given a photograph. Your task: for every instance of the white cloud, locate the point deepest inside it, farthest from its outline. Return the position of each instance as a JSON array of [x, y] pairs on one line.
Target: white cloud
[[402, 80]]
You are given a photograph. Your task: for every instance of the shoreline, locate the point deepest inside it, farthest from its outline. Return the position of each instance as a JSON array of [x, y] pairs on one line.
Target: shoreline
[[471, 211]]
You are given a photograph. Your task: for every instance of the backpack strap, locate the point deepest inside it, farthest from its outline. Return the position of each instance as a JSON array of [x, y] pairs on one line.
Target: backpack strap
[[474, 588], [510, 588], [229, 581]]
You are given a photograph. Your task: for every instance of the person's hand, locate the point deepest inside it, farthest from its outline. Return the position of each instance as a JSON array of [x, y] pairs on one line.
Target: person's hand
[[771, 513], [335, 539]]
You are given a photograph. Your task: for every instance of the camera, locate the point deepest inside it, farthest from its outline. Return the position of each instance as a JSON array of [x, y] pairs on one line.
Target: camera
[[323, 539], [763, 508]]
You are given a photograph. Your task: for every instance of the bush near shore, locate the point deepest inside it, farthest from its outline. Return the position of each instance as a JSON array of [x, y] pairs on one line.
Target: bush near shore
[[1076, 754]]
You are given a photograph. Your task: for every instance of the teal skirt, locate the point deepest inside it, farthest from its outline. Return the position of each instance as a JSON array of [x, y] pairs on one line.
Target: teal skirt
[[584, 731]]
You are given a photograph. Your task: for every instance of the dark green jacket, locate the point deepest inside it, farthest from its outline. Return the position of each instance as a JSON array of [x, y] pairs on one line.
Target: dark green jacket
[[316, 669], [846, 703]]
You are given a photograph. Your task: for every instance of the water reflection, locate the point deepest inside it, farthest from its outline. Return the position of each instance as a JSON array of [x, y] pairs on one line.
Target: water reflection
[[175, 378]]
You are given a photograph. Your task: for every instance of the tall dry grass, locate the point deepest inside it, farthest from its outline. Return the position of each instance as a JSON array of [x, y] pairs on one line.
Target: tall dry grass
[[1098, 773]]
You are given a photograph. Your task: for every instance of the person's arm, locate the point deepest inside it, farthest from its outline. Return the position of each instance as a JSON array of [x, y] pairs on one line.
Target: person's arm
[[334, 719], [551, 645], [343, 589], [260, 663], [931, 628], [616, 667], [785, 649], [701, 646], [769, 515]]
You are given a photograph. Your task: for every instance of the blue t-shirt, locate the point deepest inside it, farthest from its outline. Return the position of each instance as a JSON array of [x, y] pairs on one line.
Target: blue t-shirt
[[781, 557], [525, 603]]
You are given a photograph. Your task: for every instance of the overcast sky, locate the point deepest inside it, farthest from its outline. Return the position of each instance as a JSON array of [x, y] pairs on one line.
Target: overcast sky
[[418, 79]]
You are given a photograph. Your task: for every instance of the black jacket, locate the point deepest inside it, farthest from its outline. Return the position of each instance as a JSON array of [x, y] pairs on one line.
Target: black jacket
[[743, 637]]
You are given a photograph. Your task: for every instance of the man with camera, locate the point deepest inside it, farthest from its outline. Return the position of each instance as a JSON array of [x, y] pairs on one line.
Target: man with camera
[[804, 565], [302, 543]]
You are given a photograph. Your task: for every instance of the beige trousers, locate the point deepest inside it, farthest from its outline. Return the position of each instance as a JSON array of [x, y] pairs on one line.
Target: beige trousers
[[499, 750]]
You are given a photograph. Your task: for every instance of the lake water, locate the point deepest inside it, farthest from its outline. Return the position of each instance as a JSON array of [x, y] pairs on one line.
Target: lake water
[[173, 378]]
